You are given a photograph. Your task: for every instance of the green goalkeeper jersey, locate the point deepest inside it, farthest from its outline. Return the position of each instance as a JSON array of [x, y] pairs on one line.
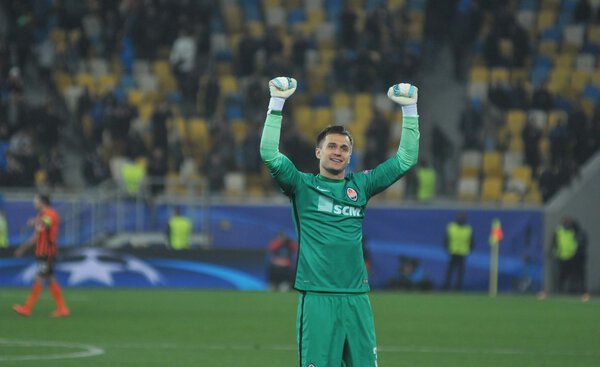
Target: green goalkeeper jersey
[[328, 214]]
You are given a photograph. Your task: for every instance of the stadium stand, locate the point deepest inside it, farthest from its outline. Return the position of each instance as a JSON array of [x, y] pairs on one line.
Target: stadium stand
[[105, 66]]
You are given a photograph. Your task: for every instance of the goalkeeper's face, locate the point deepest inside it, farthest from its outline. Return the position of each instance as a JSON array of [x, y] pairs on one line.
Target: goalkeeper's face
[[334, 155]]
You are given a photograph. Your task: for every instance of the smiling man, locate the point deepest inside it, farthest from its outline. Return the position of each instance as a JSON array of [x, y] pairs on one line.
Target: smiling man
[[334, 321]]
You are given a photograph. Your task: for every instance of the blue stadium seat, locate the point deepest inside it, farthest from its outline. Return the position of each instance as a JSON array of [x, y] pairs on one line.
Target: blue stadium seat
[[528, 5], [552, 33], [539, 74], [320, 100], [3, 149], [543, 61], [251, 9], [232, 112], [562, 103], [592, 92], [296, 16]]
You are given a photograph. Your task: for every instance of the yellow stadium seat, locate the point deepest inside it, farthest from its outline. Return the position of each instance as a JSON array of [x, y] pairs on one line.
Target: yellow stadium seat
[[256, 28], [146, 110], [271, 3], [316, 16], [516, 144], [228, 84], [363, 101], [533, 196], [239, 128], [589, 106], [232, 15], [468, 189], [470, 163], [511, 198], [224, 68], [579, 80], [135, 97], [492, 164], [340, 99], [491, 189], [179, 124], [556, 115], [515, 121], [546, 18], [162, 69], [86, 80], [564, 60], [500, 74], [63, 80], [560, 76], [303, 114], [593, 33], [518, 74], [323, 116], [522, 173], [548, 48], [479, 74]]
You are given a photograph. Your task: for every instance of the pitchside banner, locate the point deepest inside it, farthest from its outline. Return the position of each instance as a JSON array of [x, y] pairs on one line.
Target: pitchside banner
[[150, 267], [239, 235]]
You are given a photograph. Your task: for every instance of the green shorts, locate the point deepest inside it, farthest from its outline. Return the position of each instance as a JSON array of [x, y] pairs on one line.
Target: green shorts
[[334, 330]]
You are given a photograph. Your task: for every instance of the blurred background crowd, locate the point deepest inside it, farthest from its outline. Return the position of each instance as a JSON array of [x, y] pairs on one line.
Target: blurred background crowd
[[147, 94]]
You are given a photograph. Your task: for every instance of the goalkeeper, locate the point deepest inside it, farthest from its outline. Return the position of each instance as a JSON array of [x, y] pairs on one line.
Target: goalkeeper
[[334, 322]]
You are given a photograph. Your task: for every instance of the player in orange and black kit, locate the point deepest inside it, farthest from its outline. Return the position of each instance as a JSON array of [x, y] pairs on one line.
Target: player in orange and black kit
[[44, 238]]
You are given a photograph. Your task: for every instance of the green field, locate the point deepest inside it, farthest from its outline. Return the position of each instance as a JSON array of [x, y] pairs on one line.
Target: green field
[[110, 328]]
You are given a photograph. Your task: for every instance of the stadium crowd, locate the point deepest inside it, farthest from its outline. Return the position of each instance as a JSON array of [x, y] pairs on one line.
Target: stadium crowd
[[178, 88]]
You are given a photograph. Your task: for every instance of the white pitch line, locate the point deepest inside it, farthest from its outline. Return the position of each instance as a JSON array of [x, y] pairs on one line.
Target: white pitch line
[[383, 349], [86, 350]]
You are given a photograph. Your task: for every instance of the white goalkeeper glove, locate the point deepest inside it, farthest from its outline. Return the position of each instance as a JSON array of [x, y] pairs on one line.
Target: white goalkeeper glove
[[405, 95], [281, 88]]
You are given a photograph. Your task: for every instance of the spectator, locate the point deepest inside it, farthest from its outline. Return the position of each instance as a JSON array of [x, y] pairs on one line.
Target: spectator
[[347, 23], [246, 54], [281, 253], [558, 137], [411, 276], [426, 178], [159, 131], [299, 47], [3, 230], [470, 125], [441, 152], [95, 169], [569, 247], [469, 18], [531, 136], [542, 99], [179, 230], [459, 242], [183, 62], [157, 171]]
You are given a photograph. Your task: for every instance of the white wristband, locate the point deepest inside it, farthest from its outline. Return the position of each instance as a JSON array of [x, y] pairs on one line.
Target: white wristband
[[410, 110], [276, 103]]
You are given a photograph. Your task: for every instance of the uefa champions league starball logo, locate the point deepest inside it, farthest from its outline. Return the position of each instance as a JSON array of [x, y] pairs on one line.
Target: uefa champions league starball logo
[[98, 266]]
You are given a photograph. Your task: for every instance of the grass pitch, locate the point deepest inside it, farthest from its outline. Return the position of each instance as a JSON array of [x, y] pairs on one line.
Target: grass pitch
[[179, 328]]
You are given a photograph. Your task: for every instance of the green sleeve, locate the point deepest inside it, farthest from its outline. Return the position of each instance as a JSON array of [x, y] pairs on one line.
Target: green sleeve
[[269, 142], [280, 167], [405, 158]]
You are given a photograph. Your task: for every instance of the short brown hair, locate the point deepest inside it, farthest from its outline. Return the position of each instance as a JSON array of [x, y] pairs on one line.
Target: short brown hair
[[334, 129]]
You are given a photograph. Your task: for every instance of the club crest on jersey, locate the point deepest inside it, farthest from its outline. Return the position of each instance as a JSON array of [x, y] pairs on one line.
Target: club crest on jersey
[[352, 194], [311, 365]]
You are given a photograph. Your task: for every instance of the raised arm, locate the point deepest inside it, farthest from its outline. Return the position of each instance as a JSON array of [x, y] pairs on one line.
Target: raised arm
[[406, 157], [281, 88], [280, 167], [406, 95]]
